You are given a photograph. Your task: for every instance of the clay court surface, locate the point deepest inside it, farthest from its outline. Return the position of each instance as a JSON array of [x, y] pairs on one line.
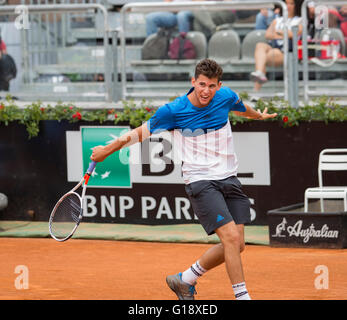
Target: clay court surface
[[129, 270]]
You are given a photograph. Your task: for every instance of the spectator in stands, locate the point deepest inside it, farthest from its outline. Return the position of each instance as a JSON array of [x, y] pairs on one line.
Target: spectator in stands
[[4, 84], [271, 54], [265, 17], [339, 17], [210, 21], [165, 19], [311, 29]]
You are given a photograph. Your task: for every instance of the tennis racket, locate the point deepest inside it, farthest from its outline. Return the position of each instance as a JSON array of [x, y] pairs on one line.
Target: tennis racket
[[67, 213]]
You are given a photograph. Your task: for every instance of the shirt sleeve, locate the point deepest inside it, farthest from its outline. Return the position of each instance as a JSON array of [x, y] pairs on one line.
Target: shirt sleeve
[[235, 102], [162, 120]]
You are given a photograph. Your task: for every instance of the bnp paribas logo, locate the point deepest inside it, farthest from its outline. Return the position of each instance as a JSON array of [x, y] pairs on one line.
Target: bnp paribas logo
[[114, 171]]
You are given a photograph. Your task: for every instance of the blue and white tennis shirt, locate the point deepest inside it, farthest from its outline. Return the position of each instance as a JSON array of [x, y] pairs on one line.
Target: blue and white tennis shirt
[[202, 136]]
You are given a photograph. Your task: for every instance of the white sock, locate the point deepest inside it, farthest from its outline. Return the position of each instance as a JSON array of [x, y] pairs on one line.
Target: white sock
[[193, 273], [240, 291]]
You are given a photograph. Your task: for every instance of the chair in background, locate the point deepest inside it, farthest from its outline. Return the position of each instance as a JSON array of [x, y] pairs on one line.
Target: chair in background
[[329, 160], [249, 43], [200, 43], [224, 46]]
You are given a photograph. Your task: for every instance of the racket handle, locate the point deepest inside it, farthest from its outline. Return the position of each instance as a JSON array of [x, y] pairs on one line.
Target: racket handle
[[89, 172], [91, 168]]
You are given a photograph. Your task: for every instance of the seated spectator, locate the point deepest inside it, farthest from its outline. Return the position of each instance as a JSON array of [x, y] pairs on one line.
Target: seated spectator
[[166, 19], [271, 54], [340, 19], [265, 17], [208, 22]]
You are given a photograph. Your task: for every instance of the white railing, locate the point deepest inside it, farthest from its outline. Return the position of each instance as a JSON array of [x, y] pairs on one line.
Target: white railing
[[198, 5]]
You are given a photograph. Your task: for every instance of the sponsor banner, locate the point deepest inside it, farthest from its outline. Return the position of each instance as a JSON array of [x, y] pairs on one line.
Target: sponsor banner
[[308, 230], [154, 160], [152, 164], [276, 165]]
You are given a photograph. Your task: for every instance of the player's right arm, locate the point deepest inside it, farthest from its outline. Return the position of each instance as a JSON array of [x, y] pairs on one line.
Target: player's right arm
[[161, 120], [100, 153]]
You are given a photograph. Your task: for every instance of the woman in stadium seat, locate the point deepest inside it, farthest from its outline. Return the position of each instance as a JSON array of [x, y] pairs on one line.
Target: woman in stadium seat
[[271, 53]]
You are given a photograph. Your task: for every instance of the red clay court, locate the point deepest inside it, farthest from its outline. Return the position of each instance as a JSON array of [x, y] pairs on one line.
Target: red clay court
[[131, 270]]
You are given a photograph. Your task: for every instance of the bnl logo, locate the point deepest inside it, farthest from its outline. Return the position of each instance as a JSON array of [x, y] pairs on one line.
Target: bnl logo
[[148, 162], [156, 160]]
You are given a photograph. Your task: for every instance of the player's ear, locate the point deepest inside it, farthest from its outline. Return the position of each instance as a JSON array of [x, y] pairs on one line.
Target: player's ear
[[219, 85], [192, 81]]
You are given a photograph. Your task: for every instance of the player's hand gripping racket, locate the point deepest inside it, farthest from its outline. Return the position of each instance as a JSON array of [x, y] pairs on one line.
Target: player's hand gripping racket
[[67, 213]]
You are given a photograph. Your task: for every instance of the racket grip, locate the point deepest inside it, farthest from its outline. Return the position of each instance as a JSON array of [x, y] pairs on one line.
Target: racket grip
[[91, 168]]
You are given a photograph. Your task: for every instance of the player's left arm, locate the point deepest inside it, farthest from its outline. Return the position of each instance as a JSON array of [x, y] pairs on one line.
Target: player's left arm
[[251, 113]]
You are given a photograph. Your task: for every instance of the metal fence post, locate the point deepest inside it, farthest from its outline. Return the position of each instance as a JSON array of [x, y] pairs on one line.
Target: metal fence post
[[116, 90], [295, 74]]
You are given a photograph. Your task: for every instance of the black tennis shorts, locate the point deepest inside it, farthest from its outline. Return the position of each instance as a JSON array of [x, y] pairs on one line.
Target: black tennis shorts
[[218, 202]]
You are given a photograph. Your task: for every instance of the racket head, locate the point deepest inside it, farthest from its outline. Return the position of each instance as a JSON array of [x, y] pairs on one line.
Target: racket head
[[66, 216]]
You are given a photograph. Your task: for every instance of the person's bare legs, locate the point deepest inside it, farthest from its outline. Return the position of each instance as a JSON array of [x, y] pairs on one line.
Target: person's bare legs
[[214, 256], [264, 56], [230, 238], [260, 56], [228, 251]]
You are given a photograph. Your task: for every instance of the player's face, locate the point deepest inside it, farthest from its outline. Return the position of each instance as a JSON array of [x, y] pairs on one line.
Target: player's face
[[204, 90]]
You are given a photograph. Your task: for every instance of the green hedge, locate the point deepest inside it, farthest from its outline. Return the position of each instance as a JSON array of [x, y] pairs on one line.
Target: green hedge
[[322, 109]]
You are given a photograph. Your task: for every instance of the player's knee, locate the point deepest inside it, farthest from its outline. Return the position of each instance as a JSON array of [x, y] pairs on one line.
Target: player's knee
[[232, 238]]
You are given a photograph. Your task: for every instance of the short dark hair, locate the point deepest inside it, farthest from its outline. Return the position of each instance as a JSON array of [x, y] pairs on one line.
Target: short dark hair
[[209, 68]]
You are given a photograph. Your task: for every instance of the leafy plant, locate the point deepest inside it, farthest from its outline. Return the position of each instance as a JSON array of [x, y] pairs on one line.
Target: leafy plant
[[322, 109]]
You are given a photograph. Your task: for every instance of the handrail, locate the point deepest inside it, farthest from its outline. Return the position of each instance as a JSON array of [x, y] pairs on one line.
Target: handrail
[[69, 8], [198, 5]]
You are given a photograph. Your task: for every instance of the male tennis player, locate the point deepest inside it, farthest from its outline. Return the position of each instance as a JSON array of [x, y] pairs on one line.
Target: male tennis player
[[209, 170]]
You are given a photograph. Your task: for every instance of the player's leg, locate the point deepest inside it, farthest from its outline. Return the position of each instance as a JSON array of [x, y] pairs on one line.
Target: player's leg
[[210, 206], [214, 256], [239, 206], [230, 238]]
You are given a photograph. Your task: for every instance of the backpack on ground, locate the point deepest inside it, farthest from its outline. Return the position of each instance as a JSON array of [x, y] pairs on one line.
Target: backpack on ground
[[156, 45], [8, 69], [181, 48]]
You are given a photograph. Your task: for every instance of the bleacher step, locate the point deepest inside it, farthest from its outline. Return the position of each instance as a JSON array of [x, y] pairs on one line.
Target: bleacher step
[[83, 91], [94, 54], [81, 68]]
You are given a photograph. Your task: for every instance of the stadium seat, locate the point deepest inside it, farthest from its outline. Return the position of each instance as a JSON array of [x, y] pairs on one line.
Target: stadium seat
[[224, 46], [200, 43], [329, 160], [249, 43]]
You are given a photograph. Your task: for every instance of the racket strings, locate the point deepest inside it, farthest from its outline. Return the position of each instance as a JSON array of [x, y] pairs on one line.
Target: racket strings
[[66, 216]]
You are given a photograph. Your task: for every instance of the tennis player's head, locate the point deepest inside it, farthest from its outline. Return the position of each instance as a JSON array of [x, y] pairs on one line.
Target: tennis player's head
[[206, 81]]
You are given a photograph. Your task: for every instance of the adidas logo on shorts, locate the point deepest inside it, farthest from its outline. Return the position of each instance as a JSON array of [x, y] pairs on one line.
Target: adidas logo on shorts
[[219, 218]]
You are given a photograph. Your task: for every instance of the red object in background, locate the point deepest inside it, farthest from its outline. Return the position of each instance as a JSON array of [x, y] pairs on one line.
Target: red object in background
[[2, 46], [323, 53]]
